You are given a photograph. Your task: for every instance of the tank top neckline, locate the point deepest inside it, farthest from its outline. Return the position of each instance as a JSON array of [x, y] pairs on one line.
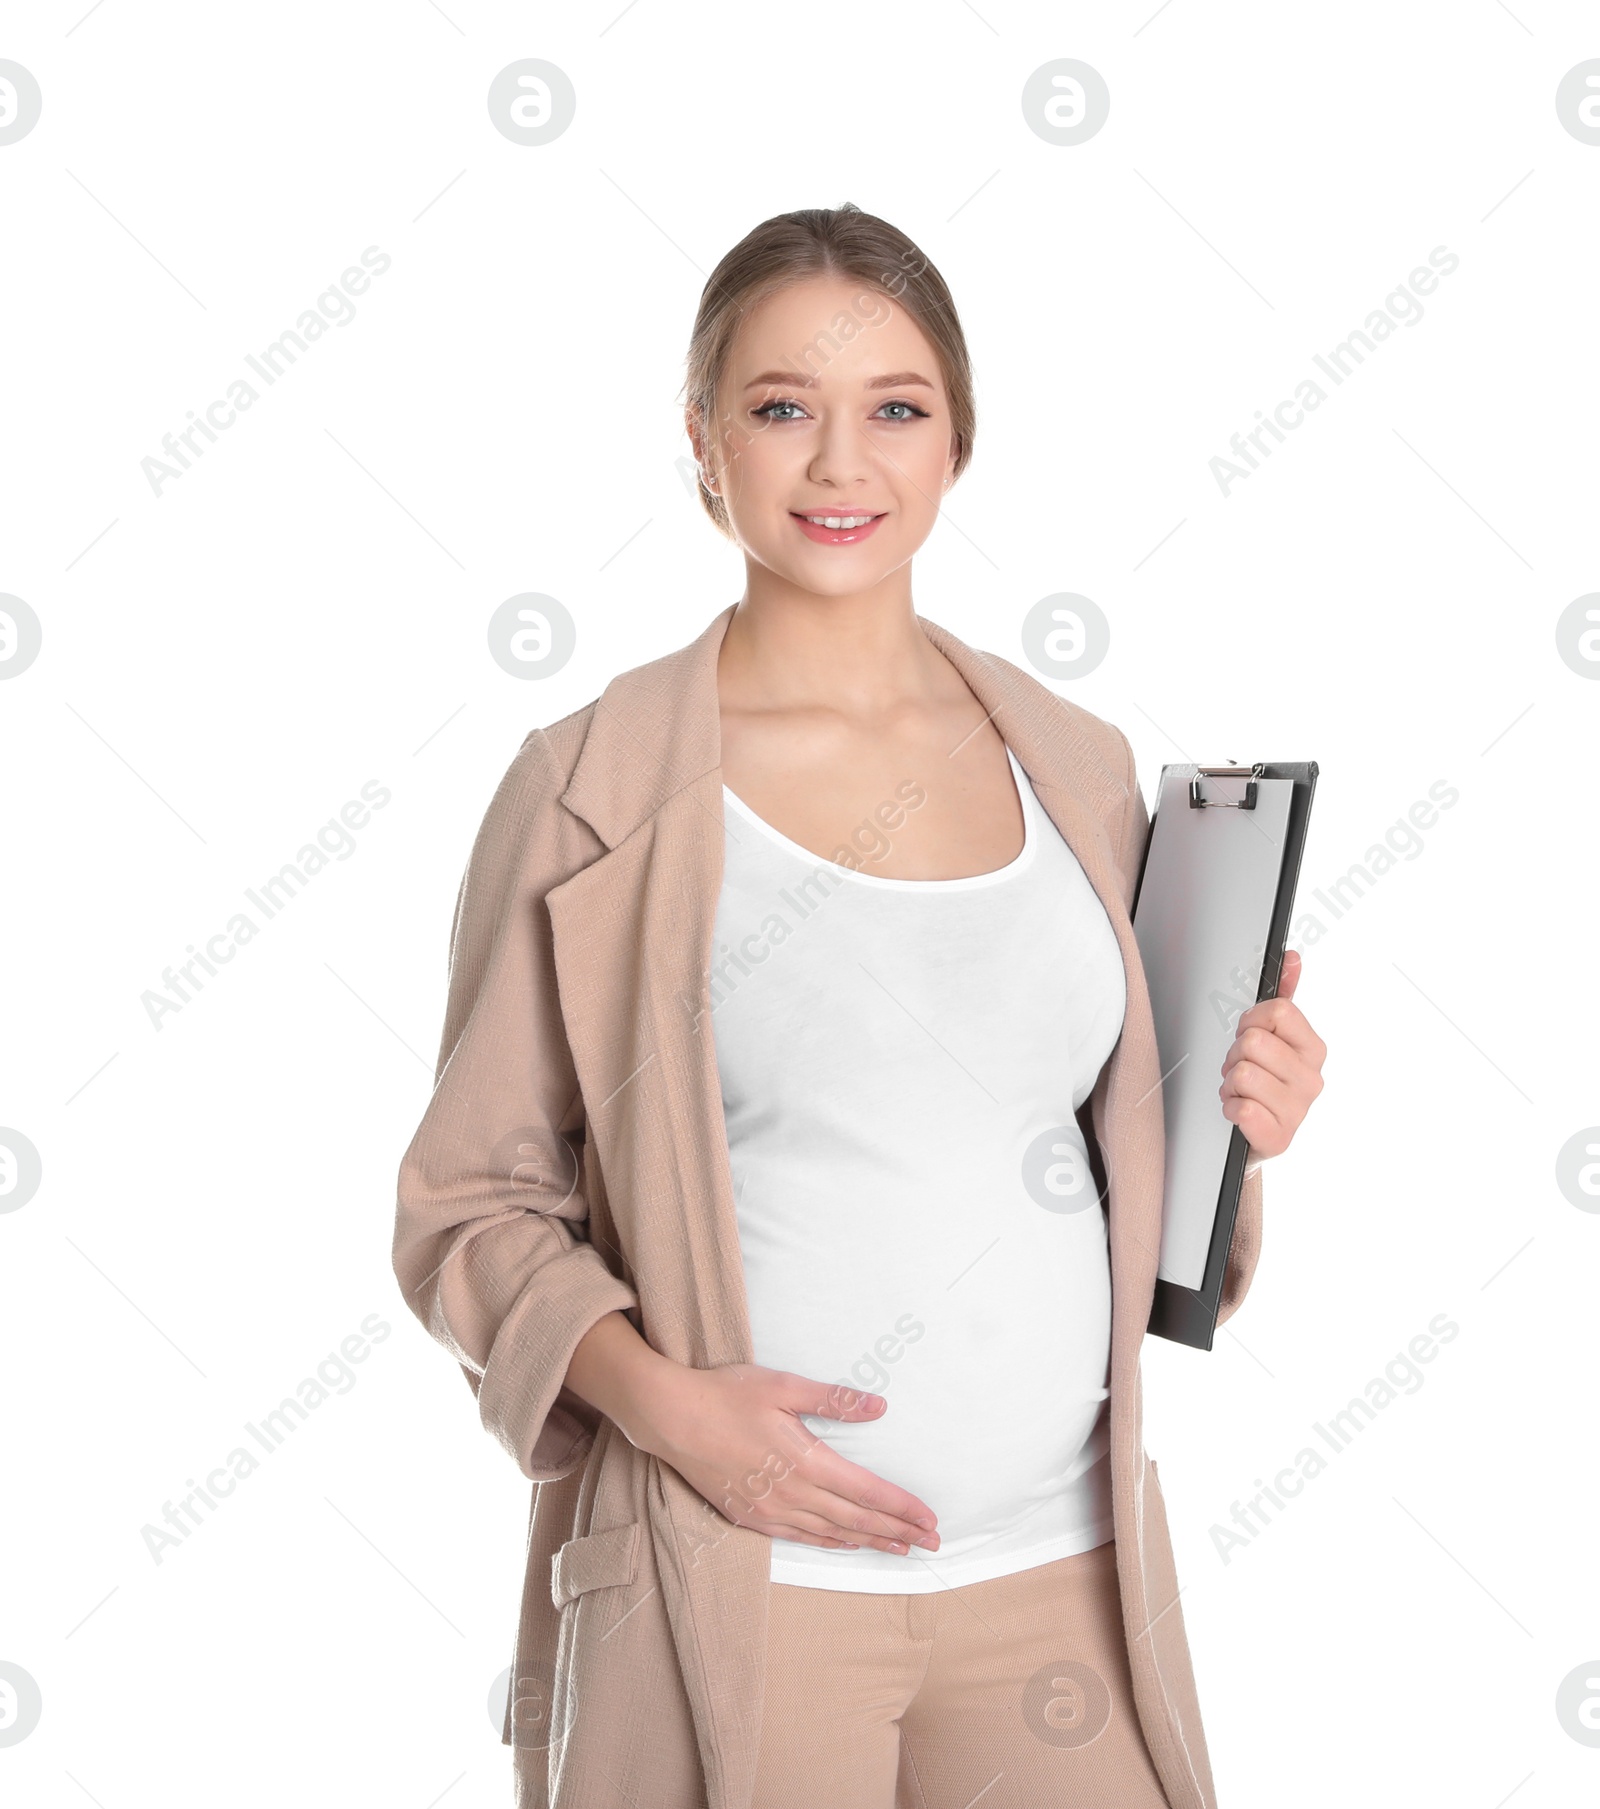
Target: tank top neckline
[[963, 883]]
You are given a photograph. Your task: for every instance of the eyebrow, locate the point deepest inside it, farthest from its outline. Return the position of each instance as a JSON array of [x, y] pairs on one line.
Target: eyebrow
[[898, 380]]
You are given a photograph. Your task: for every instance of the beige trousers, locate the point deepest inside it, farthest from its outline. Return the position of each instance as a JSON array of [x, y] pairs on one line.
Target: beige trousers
[[1010, 1694]]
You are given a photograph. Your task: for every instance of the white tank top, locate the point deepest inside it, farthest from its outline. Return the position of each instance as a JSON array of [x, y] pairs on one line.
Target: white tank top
[[900, 1065]]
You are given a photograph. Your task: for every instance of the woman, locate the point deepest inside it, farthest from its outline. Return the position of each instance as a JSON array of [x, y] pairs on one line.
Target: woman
[[790, 1193]]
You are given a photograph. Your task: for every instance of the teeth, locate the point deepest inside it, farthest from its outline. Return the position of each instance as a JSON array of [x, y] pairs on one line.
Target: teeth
[[839, 521]]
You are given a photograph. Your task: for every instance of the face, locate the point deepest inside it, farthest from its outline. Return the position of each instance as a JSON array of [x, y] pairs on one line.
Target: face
[[832, 407]]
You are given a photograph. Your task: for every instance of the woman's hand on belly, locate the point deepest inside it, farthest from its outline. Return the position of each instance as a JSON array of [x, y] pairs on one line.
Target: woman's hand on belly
[[736, 1435]]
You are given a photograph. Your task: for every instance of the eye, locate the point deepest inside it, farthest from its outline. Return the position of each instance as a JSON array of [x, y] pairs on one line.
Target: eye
[[914, 413], [781, 402]]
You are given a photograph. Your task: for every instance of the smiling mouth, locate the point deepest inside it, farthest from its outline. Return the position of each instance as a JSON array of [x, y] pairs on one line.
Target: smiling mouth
[[837, 530]]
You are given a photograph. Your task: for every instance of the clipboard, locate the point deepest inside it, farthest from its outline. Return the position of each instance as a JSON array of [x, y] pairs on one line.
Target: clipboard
[[1211, 916]]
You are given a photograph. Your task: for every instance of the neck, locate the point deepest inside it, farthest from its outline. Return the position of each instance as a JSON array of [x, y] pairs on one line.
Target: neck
[[786, 647]]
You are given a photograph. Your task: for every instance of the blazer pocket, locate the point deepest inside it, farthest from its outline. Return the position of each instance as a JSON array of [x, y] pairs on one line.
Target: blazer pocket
[[598, 1561]]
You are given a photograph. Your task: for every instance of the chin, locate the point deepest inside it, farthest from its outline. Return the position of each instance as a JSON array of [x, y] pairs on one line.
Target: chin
[[836, 582]]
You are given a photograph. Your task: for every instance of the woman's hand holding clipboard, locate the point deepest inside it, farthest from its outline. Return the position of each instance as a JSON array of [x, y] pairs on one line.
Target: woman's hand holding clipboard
[[1273, 1068], [1211, 915]]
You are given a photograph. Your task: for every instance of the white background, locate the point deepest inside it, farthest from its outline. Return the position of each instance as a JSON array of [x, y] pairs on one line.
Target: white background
[[225, 664]]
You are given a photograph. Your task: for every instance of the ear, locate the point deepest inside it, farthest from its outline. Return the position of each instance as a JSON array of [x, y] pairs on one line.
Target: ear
[[691, 423]]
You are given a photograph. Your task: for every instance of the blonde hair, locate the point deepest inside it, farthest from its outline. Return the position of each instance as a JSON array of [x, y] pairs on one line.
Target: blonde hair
[[823, 241]]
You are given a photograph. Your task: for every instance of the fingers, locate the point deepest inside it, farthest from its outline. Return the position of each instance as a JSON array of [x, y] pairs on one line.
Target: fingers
[[1284, 1060], [1258, 1052], [818, 1517], [791, 1484], [1271, 1074], [1263, 1130], [832, 1401], [832, 1497], [1289, 973], [814, 1515], [826, 1529], [1256, 1080], [1281, 1018], [1266, 1109], [859, 1506]]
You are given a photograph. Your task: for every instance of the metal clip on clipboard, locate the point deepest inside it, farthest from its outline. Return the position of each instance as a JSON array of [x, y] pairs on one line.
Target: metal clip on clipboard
[[1248, 802]]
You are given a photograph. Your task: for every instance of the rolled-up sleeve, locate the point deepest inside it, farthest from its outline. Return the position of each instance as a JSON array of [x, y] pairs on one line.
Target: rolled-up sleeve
[[492, 1241], [1244, 1247]]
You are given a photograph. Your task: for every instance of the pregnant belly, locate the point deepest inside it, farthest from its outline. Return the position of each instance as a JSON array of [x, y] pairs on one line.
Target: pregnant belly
[[982, 1467], [985, 1435], [987, 1333]]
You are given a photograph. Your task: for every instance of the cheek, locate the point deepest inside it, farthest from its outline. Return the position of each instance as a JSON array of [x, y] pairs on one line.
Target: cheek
[[924, 464], [761, 460]]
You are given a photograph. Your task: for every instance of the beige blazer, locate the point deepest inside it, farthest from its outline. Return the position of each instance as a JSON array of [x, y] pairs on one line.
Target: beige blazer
[[573, 1159]]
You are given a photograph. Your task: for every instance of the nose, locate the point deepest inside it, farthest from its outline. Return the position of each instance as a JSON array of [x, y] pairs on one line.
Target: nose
[[842, 455]]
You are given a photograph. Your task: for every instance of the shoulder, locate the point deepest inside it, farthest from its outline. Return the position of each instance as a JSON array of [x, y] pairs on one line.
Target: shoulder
[[665, 707], [552, 752], [525, 825], [542, 765]]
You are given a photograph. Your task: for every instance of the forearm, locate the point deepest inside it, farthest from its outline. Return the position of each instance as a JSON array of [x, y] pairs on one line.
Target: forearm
[[615, 1370]]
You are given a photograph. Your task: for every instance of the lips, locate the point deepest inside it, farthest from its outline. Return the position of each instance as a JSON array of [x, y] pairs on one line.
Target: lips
[[826, 536]]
